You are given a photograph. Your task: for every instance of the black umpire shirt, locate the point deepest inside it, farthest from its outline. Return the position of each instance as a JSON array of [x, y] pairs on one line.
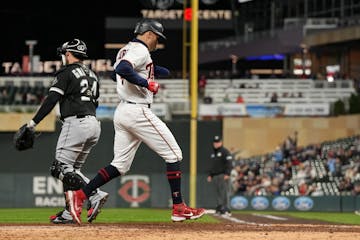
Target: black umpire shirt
[[221, 162]]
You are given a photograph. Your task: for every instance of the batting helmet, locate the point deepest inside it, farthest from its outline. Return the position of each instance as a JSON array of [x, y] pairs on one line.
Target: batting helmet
[[149, 25], [75, 46]]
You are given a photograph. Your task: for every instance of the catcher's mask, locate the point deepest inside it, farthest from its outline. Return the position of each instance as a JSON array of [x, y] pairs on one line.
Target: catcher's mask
[[76, 46]]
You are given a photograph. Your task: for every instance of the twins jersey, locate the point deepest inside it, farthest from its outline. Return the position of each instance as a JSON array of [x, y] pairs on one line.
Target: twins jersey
[[79, 87], [138, 55], [136, 123]]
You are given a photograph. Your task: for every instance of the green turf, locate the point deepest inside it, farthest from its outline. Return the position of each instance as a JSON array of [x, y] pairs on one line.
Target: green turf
[[333, 217], [108, 215], [119, 215]]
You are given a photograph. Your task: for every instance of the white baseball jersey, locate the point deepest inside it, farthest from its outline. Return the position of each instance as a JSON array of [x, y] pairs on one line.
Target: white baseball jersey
[[139, 57], [134, 122]]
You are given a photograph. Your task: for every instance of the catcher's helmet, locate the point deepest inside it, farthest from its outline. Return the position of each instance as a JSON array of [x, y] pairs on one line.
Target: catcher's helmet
[[75, 46], [149, 25]]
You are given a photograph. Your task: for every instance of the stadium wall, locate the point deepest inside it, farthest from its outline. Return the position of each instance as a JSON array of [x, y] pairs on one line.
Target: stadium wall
[[152, 190], [255, 136], [11, 121], [26, 181]]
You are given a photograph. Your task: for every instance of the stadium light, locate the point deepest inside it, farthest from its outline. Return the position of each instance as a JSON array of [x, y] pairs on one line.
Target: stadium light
[[31, 44], [244, 1]]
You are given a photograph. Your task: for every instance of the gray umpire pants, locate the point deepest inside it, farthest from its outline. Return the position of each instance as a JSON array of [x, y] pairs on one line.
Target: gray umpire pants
[[222, 188]]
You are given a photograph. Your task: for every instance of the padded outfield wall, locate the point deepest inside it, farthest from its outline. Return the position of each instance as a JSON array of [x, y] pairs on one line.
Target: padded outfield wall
[[26, 181]]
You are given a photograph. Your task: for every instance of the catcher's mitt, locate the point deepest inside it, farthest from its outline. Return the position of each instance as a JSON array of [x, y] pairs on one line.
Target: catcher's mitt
[[24, 138]]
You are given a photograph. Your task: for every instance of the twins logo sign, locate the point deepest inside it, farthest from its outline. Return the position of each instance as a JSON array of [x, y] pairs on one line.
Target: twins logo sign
[[135, 189]]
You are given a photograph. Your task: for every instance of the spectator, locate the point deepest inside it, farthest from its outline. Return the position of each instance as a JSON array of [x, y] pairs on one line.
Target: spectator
[[294, 140], [3, 95], [240, 99], [285, 186], [202, 85], [303, 187], [30, 98], [287, 146], [208, 100], [18, 99], [234, 176], [331, 164], [227, 98], [356, 190], [314, 190], [274, 98], [278, 155]]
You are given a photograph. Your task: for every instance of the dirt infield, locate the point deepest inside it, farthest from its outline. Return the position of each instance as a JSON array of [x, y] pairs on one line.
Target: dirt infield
[[262, 227]]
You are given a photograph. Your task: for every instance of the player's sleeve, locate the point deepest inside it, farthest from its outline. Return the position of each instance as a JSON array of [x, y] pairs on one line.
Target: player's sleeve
[[126, 71], [60, 83], [160, 71], [126, 66], [56, 90], [46, 107]]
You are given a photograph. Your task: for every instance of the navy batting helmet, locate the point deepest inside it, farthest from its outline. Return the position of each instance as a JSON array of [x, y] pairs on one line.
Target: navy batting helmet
[[75, 46], [149, 25]]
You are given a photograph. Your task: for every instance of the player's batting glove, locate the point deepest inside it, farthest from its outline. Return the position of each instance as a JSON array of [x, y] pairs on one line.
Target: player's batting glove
[[153, 87]]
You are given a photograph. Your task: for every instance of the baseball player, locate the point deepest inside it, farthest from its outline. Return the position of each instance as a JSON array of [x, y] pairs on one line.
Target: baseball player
[[76, 88], [134, 122], [219, 174]]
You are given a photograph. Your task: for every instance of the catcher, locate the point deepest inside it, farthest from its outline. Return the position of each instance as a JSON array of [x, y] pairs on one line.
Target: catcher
[[76, 88]]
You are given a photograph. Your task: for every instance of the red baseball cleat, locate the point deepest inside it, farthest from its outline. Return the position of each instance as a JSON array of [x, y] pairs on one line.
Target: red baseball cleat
[[182, 212], [75, 200]]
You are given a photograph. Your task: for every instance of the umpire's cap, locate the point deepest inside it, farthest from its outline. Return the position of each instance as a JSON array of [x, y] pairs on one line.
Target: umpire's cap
[[75, 46], [149, 25], [217, 139]]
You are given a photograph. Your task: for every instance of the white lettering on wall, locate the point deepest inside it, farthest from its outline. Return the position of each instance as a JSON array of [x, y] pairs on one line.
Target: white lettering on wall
[[49, 201], [39, 186], [46, 185], [54, 186], [178, 14], [98, 65]]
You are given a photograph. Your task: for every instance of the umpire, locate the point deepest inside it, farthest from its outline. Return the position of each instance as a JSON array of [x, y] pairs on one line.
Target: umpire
[[219, 175]]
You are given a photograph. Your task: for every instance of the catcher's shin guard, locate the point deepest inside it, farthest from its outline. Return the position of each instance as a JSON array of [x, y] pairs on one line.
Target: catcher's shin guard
[[66, 173]]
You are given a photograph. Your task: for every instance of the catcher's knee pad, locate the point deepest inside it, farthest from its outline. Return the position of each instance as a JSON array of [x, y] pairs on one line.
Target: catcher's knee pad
[[66, 173], [56, 169], [73, 181]]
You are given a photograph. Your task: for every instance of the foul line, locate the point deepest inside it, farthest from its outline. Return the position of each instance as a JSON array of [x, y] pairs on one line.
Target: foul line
[[237, 220], [232, 219], [269, 216]]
